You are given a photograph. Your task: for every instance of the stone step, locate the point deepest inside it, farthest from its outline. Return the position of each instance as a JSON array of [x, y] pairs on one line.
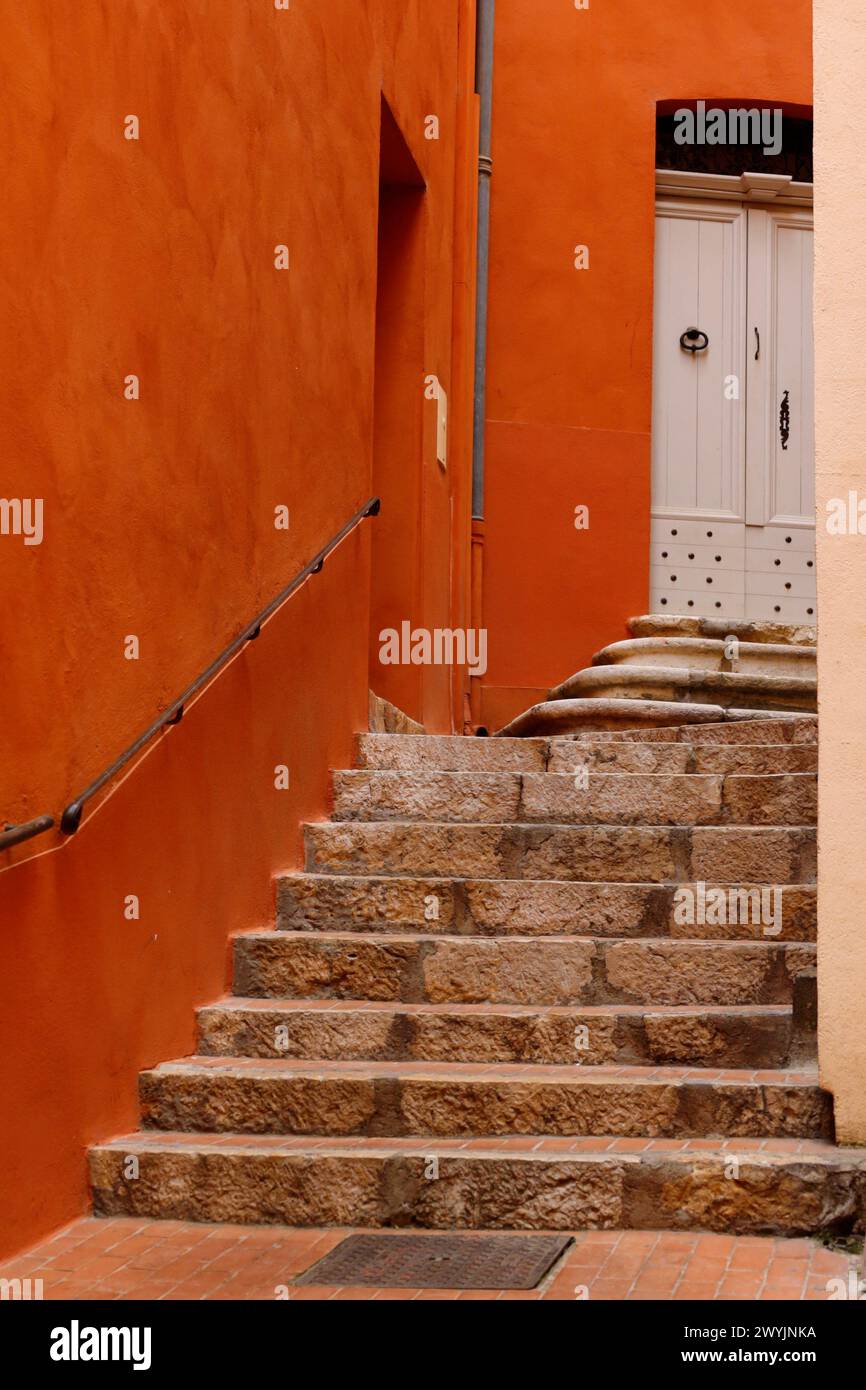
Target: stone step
[[483, 907], [450, 753], [712, 654], [226, 1096], [735, 1187], [559, 717], [622, 854], [798, 731], [631, 756], [328, 1030], [388, 719], [516, 970], [673, 683], [553, 798], [391, 753], [744, 629]]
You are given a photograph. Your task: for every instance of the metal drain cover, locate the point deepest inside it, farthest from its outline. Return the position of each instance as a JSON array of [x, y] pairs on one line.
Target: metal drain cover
[[439, 1262]]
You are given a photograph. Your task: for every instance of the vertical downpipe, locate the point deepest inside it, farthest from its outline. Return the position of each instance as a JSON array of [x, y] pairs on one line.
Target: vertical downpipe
[[484, 88]]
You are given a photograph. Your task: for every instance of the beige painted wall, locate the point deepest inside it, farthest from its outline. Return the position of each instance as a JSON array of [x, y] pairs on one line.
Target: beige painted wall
[[840, 328]]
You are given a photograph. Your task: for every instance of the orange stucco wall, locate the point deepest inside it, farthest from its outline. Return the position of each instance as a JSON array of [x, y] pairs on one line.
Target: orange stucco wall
[[569, 399], [155, 257]]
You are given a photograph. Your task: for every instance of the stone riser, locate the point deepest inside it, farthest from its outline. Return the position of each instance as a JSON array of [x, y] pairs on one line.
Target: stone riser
[[713, 655], [551, 798], [483, 907], [721, 629], [732, 1039], [714, 854], [607, 754], [785, 1194], [798, 732], [624, 756], [290, 1098], [670, 684], [611, 718], [537, 970]]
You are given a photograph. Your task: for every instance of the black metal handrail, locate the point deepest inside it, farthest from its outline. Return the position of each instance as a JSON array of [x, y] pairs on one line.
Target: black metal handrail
[[17, 834], [71, 817]]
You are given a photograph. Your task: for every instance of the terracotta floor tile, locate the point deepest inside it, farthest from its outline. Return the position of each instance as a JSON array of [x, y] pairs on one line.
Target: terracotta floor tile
[[705, 1270], [610, 1289], [740, 1285], [746, 1258]]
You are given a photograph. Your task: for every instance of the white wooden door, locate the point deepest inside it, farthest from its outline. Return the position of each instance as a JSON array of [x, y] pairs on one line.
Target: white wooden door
[[733, 531]]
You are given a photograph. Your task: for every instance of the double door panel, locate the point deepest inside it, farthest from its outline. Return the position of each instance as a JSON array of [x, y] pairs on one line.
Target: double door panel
[[733, 424]]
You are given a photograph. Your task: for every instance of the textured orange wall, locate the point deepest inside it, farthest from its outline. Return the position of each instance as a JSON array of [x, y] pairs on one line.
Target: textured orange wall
[[196, 833], [156, 257], [570, 374]]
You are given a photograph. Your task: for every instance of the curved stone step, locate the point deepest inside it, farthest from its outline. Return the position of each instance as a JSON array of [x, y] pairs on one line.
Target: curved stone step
[[744, 629], [234, 1096], [633, 718], [518, 970], [329, 1030], [562, 799], [620, 854], [710, 654], [509, 907], [768, 1186], [673, 683]]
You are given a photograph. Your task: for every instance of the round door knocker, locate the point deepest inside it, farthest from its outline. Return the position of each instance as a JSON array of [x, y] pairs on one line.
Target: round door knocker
[[691, 340]]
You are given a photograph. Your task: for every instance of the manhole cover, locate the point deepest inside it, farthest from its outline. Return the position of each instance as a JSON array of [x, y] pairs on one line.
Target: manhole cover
[[439, 1262]]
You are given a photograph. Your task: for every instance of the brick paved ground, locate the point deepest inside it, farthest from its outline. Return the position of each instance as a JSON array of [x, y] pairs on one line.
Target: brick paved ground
[[124, 1258]]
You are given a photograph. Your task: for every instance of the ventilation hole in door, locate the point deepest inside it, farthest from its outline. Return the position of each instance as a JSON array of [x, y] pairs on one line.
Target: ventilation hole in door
[[777, 609], [664, 602], [691, 603], [673, 579], [709, 581], [810, 611], [810, 565], [691, 557], [718, 559], [777, 562], [675, 533], [709, 535], [664, 554], [787, 540], [718, 605], [788, 587]]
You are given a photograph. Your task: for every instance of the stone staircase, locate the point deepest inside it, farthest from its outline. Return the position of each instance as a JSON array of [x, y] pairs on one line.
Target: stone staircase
[[485, 1006], [683, 671]]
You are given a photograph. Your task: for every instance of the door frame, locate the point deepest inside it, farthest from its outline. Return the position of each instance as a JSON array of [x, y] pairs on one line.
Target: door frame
[[759, 193], [781, 197], [780, 190]]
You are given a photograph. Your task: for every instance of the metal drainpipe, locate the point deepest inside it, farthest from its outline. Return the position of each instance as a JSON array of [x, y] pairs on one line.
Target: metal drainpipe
[[484, 88]]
